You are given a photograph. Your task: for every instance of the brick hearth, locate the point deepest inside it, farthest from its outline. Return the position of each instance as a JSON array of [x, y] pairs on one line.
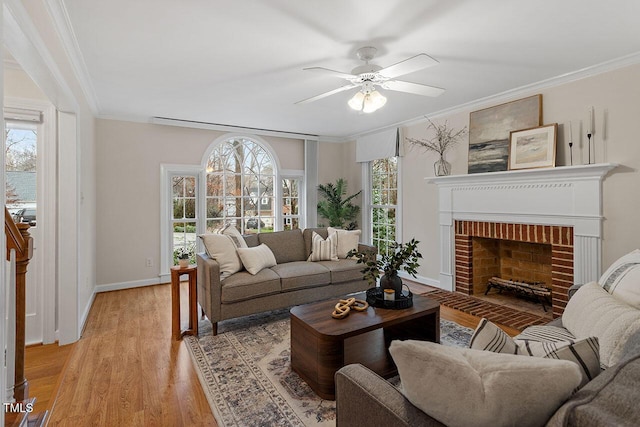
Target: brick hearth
[[559, 237]]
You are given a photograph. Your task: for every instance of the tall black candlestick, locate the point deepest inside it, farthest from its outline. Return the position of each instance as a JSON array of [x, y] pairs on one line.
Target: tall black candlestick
[[589, 138]]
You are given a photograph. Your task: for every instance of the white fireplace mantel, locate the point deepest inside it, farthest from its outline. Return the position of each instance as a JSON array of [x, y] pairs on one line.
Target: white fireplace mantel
[[566, 196]]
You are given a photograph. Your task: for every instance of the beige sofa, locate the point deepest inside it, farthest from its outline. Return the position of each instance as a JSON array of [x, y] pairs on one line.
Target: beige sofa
[[293, 281]]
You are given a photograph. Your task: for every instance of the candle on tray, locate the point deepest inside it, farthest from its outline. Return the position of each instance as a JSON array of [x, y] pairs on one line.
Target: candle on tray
[[389, 295]]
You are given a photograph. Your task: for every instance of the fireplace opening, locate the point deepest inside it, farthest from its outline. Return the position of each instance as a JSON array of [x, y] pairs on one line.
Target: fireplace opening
[[521, 252], [512, 270]]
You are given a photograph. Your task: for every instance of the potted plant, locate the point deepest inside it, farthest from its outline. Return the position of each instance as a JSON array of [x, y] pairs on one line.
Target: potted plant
[[444, 139], [338, 210], [183, 256], [401, 257]]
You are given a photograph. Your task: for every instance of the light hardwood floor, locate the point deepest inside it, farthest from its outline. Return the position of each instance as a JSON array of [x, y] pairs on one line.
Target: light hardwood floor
[[126, 370]]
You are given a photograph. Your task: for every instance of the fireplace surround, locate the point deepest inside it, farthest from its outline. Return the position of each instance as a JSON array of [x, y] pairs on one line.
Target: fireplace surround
[[558, 206]]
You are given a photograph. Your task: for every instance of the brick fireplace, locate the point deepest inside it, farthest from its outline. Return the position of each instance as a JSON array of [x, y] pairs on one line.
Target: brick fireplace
[[559, 209], [529, 252]]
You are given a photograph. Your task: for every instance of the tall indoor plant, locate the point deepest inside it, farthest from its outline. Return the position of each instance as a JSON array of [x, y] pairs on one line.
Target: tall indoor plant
[[336, 208], [402, 256]]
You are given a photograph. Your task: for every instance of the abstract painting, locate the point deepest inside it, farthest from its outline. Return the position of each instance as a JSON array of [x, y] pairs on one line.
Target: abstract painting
[[489, 131], [533, 148]]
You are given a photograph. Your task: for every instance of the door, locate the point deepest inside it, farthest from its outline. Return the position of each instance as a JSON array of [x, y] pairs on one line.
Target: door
[[23, 199]]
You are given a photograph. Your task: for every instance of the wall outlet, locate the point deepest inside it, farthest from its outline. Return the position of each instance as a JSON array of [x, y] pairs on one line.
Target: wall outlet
[[149, 262]]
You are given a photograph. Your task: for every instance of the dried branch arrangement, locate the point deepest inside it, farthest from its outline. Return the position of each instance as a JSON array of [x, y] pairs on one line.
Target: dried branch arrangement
[[445, 138]]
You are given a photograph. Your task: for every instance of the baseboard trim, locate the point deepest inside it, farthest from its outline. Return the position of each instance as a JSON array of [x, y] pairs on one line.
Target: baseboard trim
[[421, 279], [85, 314], [127, 285]]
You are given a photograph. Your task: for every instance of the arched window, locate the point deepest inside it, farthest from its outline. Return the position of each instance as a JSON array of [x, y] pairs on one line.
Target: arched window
[[240, 186]]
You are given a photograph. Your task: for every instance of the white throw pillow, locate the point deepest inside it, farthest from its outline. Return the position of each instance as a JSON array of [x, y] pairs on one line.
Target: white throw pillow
[[464, 387], [232, 231], [257, 258], [347, 240], [222, 248], [323, 249], [592, 311], [622, 279]]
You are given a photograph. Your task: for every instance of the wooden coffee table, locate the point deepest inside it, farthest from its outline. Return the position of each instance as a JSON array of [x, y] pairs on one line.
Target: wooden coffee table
[[320, 344]]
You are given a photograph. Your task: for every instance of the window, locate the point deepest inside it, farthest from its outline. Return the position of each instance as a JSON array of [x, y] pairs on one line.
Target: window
[[384, 202], [291, 203], [184, 216], [21, 177], [240, 180]]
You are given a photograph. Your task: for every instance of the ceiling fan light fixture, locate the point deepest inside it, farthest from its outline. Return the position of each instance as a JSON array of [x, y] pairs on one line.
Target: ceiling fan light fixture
[[356, 101], [373, 101]]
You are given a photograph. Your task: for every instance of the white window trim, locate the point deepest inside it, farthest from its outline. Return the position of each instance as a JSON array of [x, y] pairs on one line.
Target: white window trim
[[299, 175], [367, 223], [166, 172]]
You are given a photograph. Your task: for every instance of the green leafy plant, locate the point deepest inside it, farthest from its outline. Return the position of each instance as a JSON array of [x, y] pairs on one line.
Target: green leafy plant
[[183, 252], [337, 209], [401, 257]]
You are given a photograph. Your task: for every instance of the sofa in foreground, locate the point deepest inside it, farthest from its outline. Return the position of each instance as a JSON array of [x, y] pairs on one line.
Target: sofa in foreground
[[608, 310], [255, 281]]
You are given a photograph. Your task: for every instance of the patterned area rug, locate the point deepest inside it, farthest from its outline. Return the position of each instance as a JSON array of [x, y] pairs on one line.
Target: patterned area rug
[[246, 375]]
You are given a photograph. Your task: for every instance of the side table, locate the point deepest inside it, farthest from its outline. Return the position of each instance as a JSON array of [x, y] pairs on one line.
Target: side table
[[176, 272]]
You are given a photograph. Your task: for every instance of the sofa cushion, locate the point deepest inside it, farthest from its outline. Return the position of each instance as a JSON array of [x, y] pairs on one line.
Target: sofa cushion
[[592, 311], [301, 274], [323, 249], [622, 279], [347, 240], [610, 399], [244, 285], [256, 259], [464, 387], [222, 248], [287, 246], [343, 270]]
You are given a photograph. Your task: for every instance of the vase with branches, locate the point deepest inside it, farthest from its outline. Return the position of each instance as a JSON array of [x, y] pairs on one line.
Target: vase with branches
[[336, 208], [443, 140], [402, 256]]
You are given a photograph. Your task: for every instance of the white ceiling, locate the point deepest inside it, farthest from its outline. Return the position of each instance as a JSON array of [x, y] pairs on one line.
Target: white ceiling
[[239, 63]]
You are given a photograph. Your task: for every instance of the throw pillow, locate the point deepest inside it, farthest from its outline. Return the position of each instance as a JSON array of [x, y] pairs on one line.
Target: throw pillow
[[232, 231], [222, 249], [593, 312], [622, 279], [541, 341], [256, 259], [347, 240], [498, 389], [323, 249], [490, 337]]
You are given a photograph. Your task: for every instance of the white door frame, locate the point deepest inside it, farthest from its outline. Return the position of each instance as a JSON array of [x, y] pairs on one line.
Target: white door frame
[[46, 185]]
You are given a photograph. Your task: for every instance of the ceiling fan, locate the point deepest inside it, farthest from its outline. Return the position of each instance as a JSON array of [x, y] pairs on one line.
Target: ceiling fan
[[368, 76]]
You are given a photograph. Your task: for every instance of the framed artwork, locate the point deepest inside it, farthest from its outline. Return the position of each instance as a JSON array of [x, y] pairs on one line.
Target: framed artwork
[[533, 148], [489, 131]]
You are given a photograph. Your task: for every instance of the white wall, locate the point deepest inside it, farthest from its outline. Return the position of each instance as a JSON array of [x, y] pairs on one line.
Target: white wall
[[128, 190], [616, 92], [36, 45]]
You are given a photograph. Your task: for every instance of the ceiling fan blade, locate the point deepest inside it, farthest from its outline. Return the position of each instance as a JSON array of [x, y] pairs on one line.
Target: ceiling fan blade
[[324, 95], [331, 72], [418, 89], [407, 66]]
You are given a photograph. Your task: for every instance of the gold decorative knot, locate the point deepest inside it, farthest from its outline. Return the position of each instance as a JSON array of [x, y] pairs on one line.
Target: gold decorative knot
[[344, 306]]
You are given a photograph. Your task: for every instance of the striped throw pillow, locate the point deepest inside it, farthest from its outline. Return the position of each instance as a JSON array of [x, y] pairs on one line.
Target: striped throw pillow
[[324, 249], [489, 337]]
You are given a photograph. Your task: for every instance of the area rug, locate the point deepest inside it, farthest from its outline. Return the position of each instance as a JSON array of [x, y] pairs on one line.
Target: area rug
[[246, 375]]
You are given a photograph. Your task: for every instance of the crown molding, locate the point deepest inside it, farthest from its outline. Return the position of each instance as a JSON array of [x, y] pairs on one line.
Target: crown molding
[[511, 94], [62, 24]]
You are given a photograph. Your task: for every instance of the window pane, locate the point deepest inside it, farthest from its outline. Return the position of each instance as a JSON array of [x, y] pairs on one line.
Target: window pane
[[178, 208], [178, 186], [214, 207], [213, 225], [215, 185], [190, 208]]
